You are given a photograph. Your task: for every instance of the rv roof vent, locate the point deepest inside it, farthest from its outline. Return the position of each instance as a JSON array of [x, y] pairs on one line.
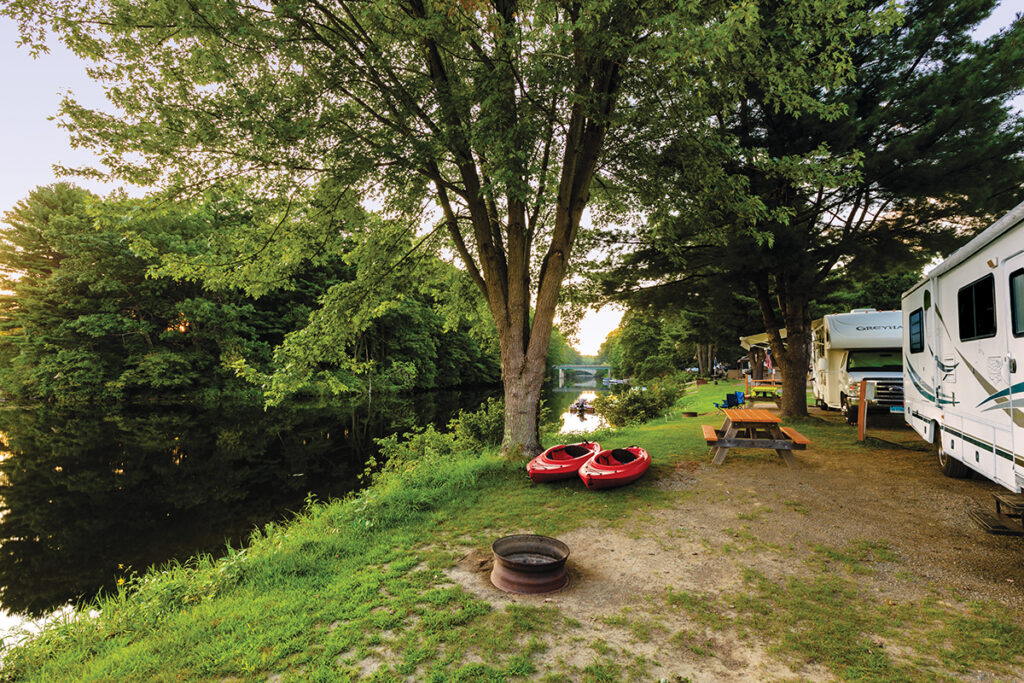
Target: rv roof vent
[[864, 310]]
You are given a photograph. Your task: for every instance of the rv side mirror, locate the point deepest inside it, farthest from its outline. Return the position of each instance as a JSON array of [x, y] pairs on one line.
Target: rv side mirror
[[823, 364]]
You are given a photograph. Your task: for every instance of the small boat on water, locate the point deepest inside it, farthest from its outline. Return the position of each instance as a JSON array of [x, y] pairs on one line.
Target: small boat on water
[[561, 462], [615, 467], [583, 406]]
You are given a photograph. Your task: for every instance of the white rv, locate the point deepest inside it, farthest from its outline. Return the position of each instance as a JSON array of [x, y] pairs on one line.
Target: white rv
[[849, 347], [964, 355]]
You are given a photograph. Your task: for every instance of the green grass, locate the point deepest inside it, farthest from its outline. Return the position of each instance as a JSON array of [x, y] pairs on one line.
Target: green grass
[[826, 619], [355, 589]]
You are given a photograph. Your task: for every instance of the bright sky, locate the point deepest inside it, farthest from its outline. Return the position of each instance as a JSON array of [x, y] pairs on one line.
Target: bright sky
[[30, 142]]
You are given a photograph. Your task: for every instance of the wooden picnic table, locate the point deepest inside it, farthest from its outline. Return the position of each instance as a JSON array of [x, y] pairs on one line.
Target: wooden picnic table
[[753, 428]]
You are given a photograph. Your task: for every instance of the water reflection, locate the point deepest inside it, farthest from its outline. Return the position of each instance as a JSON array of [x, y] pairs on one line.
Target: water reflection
[[90, 494], [575, 420], [566, 417]]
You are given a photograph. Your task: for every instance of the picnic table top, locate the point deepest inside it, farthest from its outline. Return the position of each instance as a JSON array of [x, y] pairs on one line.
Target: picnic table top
[[751, 415]]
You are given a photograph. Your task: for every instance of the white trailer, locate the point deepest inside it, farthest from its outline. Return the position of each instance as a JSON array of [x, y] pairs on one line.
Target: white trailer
[[846, 348], [963, 353]]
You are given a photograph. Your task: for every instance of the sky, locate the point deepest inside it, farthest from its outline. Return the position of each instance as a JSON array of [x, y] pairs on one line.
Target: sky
[[31, 141]]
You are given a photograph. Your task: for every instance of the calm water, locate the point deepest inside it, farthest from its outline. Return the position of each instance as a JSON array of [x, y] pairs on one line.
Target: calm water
[[91, 495], [559, 403]]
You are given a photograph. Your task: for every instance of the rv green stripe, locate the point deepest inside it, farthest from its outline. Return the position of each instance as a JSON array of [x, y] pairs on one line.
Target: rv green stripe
[[918, 383], [979, 443]]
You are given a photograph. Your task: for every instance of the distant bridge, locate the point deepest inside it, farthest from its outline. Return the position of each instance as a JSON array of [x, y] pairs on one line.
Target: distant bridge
[[592, 369], [589, 369]]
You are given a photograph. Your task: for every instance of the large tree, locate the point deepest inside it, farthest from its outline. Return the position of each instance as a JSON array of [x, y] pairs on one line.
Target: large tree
[[495, 113], [84, 319], [83, 323], [927, 150]]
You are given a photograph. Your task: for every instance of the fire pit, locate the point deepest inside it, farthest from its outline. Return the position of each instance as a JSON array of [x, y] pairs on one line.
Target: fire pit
[[527, 563]]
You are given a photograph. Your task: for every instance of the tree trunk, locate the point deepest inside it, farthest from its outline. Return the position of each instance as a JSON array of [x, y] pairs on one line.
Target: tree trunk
[[522, 403], [791, 355], [794, 377], [705, 359], [756, 356]]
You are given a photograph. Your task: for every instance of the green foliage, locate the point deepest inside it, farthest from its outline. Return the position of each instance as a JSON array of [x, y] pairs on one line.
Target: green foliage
[[485, 426], [497, 114], [925, 149], [89, 318], [661, 340], [864, 287], [84, 322], [559, 351], [467, 432], [636, 405]]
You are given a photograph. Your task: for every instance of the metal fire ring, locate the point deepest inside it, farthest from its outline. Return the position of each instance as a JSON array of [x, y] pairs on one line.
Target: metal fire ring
[[528, 563]]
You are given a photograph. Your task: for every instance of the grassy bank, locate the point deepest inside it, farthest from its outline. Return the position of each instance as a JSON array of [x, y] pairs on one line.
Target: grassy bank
[[357, 589]]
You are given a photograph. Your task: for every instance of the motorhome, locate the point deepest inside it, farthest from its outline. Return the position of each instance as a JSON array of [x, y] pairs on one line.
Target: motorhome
[[846, 348], [963, 354]]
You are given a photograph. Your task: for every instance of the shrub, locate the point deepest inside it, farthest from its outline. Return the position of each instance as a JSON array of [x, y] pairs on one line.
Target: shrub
[[484, 427], [636, 405], [467, 432], [675, 385]]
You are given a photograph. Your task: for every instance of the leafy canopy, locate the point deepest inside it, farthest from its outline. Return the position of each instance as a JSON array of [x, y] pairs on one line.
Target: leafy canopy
[[489, 120]]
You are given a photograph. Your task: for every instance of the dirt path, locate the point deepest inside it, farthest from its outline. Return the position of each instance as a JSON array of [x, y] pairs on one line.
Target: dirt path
[[753, 513]]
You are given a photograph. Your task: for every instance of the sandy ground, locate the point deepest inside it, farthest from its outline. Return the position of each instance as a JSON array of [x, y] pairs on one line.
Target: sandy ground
[[893, 494]]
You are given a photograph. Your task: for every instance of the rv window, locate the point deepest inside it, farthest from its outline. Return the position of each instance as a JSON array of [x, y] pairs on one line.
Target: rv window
[[976, 309], [875, 359], [917, 331], [1017, 301]]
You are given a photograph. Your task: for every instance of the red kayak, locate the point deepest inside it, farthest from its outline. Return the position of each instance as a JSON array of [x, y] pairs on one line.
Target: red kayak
[[561, 462], [617, 467]]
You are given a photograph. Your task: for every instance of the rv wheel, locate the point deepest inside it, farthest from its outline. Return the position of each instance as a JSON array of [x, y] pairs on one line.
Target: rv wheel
[[849, 412], [950, 466]]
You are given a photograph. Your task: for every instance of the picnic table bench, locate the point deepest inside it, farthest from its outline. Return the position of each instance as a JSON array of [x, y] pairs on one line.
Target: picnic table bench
[[753, 428]]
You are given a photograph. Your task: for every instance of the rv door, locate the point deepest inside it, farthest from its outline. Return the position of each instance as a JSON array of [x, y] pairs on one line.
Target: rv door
[[1013, 280]]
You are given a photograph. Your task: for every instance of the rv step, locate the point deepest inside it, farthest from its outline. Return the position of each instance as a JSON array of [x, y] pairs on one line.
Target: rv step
[[996, 523], [1010, 504]]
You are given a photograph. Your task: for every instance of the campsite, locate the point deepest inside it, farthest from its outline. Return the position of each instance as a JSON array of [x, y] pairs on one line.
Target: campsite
[[861, 564], [495, 340]]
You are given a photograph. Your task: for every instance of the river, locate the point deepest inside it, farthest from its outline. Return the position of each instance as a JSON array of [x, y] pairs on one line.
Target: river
[[91, 495]]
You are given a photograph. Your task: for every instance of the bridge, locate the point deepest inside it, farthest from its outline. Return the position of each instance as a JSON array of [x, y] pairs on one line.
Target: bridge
[[585, 368], [589, 369]]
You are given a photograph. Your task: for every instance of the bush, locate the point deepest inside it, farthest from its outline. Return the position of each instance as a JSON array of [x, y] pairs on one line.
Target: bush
[[484, 427], [675, 385], [466, 433], [636, 405]]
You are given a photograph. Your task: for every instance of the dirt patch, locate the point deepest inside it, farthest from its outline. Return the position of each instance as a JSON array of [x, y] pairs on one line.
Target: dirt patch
[[754, 513]]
